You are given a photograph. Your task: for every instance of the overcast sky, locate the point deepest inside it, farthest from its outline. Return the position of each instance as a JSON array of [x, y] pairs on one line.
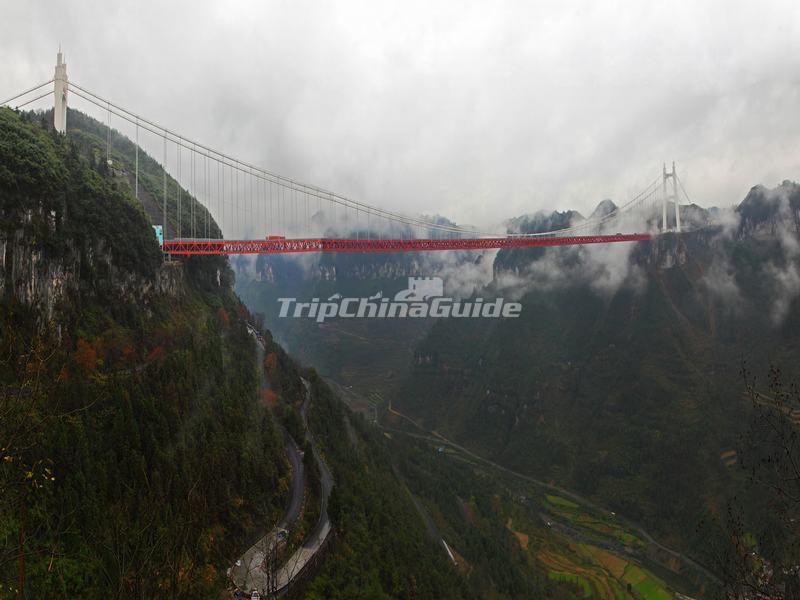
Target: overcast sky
[[478, 111]]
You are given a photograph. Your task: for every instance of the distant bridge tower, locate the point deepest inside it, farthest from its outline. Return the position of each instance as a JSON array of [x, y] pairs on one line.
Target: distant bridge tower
[[673, 197], [60, 93]]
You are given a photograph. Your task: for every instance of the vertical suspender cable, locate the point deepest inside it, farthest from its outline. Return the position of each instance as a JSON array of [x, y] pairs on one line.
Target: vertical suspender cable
[[108, 133], [204, 214], [238, 208], [250, 221], [219, 200], [193, 195], [164, 170], [250, 193], [205, 187], [261, 196], [136, 188], [178, 191]]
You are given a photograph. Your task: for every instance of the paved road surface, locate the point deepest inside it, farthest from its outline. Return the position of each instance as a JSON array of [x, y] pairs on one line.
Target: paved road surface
[[314, 542], [248, 574]]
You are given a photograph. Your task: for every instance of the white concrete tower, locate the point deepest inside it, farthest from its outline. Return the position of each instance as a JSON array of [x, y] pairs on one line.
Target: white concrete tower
[[675, 197], [60, 94], [664, 201]]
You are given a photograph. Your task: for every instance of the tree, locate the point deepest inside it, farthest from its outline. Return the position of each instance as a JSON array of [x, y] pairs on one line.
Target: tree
[[770, 454], [270, 398], [223, 318], [24, 418], [86, 357]]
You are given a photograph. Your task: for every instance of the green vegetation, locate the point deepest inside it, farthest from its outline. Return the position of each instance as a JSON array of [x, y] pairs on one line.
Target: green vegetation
[[343, 350], [137, 458], [645, 584], [627, 398], [576, 580], [381, 549], [590, 524], [560, 502], [603, 575], [92, 138], [509, 545], [71, 204]]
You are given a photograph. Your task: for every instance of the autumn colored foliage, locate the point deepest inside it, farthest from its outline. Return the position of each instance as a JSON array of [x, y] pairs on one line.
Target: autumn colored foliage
[[157, 354], [270, 398], [86, 357], [271, 363]]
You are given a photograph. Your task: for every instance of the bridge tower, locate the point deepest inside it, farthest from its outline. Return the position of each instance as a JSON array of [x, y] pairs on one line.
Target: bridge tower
[[60, 94], [674, 197]]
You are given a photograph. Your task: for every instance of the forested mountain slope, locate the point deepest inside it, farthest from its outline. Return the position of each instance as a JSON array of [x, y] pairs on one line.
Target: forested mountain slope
[[138, 458], [136, 454], [622, 378]]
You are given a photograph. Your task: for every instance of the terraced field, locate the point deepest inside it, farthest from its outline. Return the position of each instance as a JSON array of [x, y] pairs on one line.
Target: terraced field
[[591, 524], [595, 582], [601, 574]]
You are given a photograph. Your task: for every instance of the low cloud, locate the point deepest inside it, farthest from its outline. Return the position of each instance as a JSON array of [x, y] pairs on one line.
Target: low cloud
[[785, 275], [478, 110], [720, 277], [720, 281], [464, 273], [729, 219], [606, 268]]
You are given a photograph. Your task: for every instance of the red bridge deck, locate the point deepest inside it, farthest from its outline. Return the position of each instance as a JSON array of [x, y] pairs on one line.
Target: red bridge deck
[[287, 246]]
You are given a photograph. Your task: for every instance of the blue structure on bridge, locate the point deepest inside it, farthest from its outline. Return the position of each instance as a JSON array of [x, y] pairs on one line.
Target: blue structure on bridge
[[159, 231]]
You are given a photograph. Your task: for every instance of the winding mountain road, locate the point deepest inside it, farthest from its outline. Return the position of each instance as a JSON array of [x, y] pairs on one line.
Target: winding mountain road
[[315, 541], [248, 572]]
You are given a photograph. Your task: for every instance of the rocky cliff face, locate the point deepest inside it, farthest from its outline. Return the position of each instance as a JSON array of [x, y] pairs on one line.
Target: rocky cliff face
[[31, 280], [769, 212], [71, 232], [764, 214], [116, 387], [349, 268], [47, 284], [370, 270], [533, 265]]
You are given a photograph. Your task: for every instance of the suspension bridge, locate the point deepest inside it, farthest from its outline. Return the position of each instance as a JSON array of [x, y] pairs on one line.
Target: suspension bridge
[[261, 212]]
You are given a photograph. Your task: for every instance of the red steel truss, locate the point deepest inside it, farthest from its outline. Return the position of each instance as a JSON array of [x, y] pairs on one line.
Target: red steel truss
[[288, 246]]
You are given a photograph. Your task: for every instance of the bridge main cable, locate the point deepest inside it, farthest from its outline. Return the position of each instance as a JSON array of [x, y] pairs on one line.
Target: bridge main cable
[[258, 172], [33, 89], [322, 194]]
